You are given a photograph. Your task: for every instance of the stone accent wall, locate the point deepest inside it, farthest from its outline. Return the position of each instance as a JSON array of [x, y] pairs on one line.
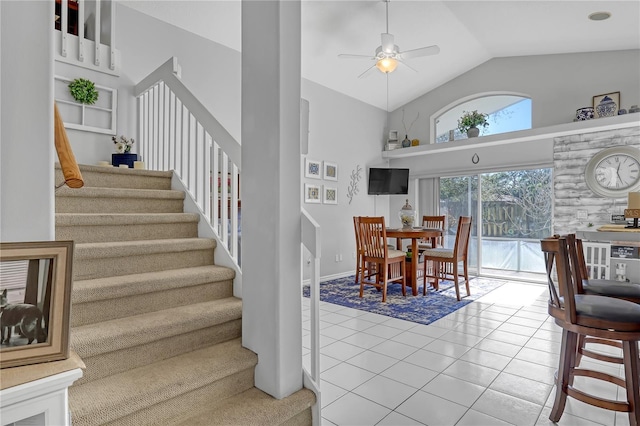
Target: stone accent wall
[[570, 157]]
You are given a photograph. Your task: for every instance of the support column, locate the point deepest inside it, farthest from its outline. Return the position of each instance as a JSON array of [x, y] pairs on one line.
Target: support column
[[271, 246]]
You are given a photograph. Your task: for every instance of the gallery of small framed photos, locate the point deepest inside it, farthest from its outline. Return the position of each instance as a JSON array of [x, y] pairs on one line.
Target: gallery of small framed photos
[[316, 193]]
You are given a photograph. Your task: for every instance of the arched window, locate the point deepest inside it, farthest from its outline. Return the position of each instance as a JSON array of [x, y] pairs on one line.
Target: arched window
[[507, 113]]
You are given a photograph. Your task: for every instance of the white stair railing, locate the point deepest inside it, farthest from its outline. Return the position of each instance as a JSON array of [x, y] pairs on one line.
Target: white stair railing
[[88, 48], [177, 132], [311, 241]]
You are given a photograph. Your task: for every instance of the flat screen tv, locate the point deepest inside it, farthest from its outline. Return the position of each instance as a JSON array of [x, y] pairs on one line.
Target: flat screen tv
[[388, 181]]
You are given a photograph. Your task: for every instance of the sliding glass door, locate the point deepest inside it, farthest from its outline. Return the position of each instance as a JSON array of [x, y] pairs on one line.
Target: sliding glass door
[[513, 213]]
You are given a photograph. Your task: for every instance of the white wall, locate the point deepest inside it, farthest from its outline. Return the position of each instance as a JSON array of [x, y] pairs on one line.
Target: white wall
[[26, 126], [347, 132], [557, 85], [144, 44]]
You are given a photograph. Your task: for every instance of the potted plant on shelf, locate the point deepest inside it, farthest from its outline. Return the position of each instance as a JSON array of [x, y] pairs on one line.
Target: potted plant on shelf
[[470, 122], [123, 153]]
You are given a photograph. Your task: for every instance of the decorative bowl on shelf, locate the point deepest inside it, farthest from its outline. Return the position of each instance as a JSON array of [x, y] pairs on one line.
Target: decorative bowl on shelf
[[585, 113]]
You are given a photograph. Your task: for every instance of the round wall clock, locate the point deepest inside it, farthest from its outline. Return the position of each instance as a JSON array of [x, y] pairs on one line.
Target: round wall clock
[[613, 172]]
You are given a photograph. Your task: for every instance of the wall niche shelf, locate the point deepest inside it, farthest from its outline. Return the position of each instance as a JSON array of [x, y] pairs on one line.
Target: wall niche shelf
[[521, 136]]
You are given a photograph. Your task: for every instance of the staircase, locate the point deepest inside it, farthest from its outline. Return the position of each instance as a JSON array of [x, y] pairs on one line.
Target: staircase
[[153, 318]]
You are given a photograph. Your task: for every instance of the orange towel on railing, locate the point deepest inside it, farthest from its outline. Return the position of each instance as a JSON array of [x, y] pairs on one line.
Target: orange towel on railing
[[68, 164]]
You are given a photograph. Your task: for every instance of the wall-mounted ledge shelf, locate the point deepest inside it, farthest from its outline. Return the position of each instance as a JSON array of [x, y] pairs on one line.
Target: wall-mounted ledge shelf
[[587, 126]]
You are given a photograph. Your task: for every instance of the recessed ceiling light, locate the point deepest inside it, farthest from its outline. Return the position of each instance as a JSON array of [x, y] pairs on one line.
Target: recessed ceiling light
[[599, 16]]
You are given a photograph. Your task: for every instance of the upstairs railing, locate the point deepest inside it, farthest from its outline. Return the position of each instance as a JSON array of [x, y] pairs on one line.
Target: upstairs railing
[[177, 132], [92, 46]]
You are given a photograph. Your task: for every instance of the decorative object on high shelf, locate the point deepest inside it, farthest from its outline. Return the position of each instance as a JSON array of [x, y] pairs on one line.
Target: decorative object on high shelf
[[634, 108], [415, 142], [606, 105], [585, 113], [353, 185], [392, 141], [470, 122], [622, 111], [407, 215], [407, 142], [38, 307], [83, 91]]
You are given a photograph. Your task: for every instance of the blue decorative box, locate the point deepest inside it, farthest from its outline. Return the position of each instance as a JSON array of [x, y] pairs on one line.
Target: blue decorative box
[[128, 159]]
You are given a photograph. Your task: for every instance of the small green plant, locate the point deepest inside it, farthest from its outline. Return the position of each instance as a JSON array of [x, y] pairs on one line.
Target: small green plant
[[83, 91], [472, 119]]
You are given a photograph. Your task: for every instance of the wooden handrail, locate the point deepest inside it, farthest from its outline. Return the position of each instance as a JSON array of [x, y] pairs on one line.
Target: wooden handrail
[[68, 164]]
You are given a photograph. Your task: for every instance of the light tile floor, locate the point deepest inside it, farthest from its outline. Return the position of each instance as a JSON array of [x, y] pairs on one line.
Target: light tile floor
[[489, 363]]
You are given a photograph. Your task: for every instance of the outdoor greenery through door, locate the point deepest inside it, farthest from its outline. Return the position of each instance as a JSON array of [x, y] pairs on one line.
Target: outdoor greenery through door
[[513, 210]]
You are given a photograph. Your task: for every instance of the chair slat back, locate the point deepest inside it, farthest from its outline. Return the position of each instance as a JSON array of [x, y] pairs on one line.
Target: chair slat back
[[373, 236], [435, 222], [575, 244], [356, 227], [462, 237], [561, 276]]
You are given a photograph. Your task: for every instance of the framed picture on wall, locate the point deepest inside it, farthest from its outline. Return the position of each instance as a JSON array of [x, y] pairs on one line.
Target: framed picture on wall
[[606, 105], [36, 301], [312, 169], [330, 171], [330, 195], [311, 193]]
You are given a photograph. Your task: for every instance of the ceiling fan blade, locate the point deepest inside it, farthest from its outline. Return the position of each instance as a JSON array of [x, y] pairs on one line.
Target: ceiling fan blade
[[387, 43], [367, 72], [349, 56], [408, 66], [423, 51]]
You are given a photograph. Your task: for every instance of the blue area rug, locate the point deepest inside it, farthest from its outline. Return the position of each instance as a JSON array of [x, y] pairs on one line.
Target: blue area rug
[[420, 309]]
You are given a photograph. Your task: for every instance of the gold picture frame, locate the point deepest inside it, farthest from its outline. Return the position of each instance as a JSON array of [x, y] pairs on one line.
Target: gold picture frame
[[35, 300]]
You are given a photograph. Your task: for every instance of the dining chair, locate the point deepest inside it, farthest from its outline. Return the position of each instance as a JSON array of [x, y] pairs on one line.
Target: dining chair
[[589, 315], [387, 265], [442, 263], [433, 222], [360, 264]]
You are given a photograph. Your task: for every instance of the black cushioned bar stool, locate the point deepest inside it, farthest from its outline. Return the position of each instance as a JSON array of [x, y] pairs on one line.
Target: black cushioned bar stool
[[598, 287], [589, 315]]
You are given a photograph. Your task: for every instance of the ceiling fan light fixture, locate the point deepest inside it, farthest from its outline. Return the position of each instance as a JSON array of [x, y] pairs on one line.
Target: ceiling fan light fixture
[[387, 65]]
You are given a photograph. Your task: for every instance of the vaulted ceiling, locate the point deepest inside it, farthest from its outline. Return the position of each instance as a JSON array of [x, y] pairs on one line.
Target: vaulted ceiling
[[467, 32]]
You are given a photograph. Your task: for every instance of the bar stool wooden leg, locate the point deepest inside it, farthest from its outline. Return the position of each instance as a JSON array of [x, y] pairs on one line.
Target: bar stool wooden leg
[[630, 355], [565, 368]]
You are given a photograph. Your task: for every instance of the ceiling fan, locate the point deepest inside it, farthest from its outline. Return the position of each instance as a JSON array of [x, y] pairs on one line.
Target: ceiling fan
[[388, 54]]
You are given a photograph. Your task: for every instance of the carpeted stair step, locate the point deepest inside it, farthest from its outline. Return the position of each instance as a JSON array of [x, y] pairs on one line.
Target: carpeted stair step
[[118, 200], [104, 299], [97, 227], [115, 177], [115, 346], [256, 408], [150, 394], [100, 260]]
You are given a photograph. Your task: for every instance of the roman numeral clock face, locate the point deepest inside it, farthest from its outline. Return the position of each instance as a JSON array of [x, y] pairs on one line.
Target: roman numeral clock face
[[615, 171]]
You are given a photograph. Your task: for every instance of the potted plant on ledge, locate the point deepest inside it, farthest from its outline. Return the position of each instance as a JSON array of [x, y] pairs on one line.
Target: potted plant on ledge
[[123, 152], [470, 122]]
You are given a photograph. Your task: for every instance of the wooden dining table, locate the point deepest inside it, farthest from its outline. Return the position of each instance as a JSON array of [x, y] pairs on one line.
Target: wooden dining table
[[414, 234]]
